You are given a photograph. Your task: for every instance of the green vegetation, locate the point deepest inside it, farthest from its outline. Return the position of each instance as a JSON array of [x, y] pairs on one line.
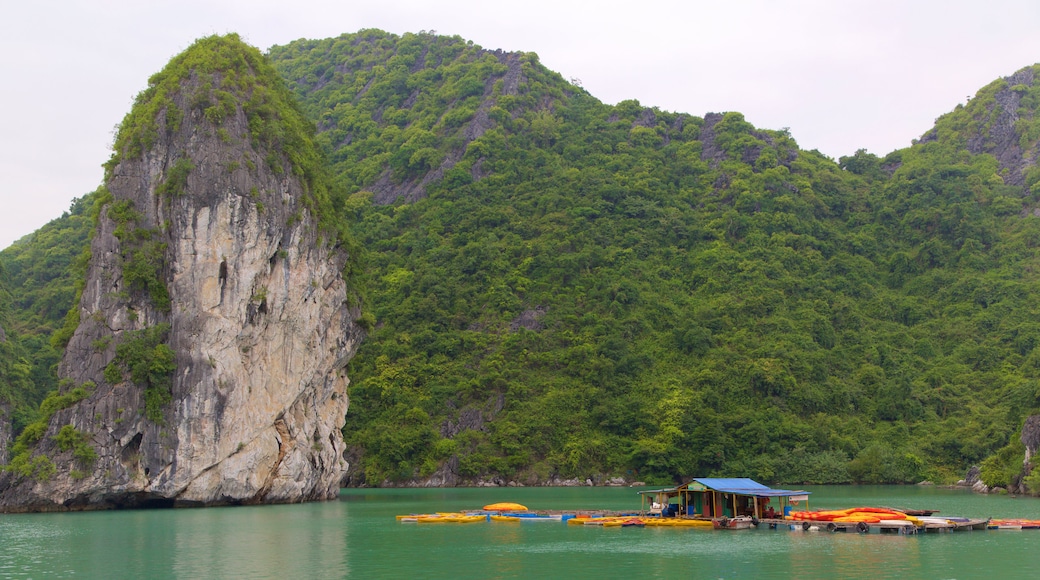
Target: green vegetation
[[69, 438], [42, 273], [220, 76], [701, 296], [149, 362], [15, 370], [23, 462], [177, 181], [143, 254], [562, 288]]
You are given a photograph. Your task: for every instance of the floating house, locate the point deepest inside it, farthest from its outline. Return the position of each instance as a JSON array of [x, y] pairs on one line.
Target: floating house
[[714, 497]]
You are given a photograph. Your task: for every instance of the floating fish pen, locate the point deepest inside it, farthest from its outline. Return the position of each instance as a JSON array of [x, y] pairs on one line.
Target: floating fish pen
[[733, 504]]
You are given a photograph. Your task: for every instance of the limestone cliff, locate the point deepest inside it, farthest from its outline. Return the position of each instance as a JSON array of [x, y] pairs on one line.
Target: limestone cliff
[[215, 325]]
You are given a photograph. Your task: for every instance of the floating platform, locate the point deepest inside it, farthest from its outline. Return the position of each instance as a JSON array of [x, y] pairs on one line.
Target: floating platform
[[927, 525], [611, 518]]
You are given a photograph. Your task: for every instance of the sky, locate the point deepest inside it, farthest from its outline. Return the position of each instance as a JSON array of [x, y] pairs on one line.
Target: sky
[[840, 75]]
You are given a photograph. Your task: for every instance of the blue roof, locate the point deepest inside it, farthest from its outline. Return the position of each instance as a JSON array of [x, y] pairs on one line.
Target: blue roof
[[737, 485], [744, 486]]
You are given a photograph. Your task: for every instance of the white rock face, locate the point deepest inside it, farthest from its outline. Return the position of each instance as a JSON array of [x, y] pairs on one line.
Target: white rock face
[[259, 323], [264, 391]]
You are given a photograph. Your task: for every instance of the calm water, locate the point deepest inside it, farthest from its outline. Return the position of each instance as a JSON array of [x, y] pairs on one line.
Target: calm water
[[358, 536]]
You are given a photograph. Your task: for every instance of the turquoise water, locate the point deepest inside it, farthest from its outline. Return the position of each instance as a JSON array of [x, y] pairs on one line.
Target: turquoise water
[[358, 536]]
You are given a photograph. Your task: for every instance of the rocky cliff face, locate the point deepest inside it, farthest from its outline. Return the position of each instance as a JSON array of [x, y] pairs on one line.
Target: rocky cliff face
[[1000, 121], [215, 324]]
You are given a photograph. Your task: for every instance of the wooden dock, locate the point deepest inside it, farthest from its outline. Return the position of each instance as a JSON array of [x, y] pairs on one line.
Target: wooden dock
[[884, 527]]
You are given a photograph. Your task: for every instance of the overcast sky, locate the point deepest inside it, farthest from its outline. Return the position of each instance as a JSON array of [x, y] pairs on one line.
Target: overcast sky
[[842, 75]]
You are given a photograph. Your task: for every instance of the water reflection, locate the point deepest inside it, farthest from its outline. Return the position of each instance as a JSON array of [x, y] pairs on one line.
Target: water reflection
[[261, 542], [853, 555]]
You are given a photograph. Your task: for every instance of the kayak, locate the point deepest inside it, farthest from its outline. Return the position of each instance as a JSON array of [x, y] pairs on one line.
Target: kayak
[[505, 507], [448, 519], [677, 523], [505, 519]]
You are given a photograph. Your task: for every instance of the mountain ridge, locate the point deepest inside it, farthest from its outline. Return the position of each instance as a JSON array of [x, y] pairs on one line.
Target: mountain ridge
[[568, 290]]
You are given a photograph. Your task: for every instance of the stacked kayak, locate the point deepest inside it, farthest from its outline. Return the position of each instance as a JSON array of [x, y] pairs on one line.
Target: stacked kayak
[[867, 515], [505, 506], [443, 518], [471, 518], [676, 523]]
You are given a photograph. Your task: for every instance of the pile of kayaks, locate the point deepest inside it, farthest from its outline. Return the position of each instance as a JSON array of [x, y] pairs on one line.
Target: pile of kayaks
[[867, 515], [443, 518], [473, 517], [516, 513], [501, 512], [505, 506]]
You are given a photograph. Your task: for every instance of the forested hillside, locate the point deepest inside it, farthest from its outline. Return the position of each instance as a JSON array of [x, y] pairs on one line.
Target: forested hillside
[[43, 272], [15, 383], [587, 289], [567, 289]]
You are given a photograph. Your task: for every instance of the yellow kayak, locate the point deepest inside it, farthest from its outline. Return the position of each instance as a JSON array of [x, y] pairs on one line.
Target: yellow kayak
[[449, 519], [470, 519], [505, 519], [505, 506], [677, 523]]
